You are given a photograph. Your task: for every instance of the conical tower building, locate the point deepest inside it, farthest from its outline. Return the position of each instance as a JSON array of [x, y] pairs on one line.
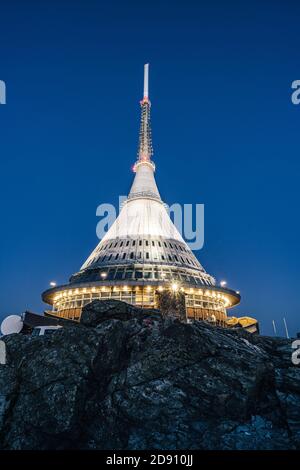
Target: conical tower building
[[142, 254]]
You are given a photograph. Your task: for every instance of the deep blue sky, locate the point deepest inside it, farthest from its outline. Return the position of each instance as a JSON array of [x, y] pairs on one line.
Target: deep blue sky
[[225, 134]]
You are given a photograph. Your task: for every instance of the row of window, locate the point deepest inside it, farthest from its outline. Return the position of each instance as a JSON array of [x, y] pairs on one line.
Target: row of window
[[126, 243], [130, 273], [206, 314], [132, 255], [152, 253], [133, 297]]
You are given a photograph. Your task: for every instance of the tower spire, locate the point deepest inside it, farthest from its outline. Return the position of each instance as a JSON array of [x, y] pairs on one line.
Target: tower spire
[[144, 181], [145, 150]]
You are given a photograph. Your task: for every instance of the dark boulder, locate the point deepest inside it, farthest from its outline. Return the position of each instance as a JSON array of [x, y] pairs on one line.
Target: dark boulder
[[97, 312], [127, 379]]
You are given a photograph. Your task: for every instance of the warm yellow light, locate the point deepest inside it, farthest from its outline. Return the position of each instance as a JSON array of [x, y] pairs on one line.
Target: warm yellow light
[[93, 289], [160, 289], [148, 288], [125, 288], [103, 275], [174, 286]]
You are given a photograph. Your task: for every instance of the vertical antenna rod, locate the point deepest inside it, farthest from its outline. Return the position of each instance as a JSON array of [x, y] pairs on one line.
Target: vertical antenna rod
[[274, 327], [146, 80], [286, 328]]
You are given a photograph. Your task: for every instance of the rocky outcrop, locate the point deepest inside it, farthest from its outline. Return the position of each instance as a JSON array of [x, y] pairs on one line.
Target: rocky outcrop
[[98, 312], [127, 379]]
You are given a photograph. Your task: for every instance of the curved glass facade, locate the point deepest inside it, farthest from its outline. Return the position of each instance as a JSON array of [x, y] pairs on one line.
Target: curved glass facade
[[200, 303]]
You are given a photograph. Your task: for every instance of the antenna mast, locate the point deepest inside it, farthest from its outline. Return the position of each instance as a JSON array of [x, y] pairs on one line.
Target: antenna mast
[[286, 328], [146, 81], [145, 150]]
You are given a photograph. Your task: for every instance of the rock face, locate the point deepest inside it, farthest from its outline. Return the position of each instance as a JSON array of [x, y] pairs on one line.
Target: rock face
[[127, 379], [98, 312]]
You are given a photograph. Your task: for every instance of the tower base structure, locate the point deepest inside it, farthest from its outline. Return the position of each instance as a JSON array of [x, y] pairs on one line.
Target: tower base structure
[[201, 303]]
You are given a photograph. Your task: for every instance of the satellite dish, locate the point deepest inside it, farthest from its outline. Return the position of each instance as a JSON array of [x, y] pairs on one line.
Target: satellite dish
[[11, 324]]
